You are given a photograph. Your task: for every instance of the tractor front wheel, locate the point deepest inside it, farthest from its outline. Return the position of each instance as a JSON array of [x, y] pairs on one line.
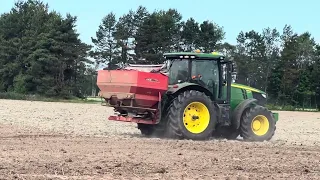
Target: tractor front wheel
[[257, 124], [191, 115]]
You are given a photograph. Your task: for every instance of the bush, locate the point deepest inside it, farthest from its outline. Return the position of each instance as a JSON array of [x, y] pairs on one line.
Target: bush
[[18, 96], [31, 97], [288, 108], [11, 95]]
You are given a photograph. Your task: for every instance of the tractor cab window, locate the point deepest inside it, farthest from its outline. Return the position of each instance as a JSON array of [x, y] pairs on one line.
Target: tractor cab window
[[207, 74], [178, 71]]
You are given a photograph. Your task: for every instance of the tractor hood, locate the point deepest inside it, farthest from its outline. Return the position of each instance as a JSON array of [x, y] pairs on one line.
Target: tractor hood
[[248, 88]]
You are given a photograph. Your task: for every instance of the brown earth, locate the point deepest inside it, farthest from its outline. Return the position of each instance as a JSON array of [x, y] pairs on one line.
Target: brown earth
[[42, 140]]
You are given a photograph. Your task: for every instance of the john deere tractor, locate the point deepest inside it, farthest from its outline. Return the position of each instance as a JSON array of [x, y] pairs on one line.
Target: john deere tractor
[[191, 96]]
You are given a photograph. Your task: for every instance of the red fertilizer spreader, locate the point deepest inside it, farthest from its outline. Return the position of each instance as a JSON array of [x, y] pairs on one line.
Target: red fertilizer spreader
[[134, 92]]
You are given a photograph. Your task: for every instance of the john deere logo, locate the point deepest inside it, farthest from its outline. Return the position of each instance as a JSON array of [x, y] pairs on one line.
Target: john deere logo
[[152, 80]]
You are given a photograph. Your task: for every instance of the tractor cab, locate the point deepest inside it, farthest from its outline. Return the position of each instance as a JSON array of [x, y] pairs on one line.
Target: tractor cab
[[210, 71]]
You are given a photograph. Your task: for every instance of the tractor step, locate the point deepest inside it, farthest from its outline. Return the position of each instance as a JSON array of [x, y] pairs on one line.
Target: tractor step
[[225, 115]]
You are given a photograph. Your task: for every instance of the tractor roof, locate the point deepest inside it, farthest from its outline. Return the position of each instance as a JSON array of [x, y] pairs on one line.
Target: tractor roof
[[213, 55]]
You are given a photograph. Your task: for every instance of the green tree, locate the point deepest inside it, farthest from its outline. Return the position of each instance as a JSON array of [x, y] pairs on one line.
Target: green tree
[[315, 80], [123, 33], [128, 26], [170, 26], [255, 56], [249, 58], [147, 43], [271, 55], [190, 35], [210, 36], [39, 50], [106, 47], [158, 33]]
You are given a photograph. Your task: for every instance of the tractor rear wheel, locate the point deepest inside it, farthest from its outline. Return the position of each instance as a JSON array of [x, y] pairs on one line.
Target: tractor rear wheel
[[191, 115], [257, 124]]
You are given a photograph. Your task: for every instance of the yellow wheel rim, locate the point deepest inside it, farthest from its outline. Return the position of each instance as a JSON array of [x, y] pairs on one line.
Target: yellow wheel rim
[[260, 125], [196, 117]]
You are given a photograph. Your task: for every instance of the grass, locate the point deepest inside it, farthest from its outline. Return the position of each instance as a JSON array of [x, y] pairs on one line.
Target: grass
[[290, 108], [17, 96]]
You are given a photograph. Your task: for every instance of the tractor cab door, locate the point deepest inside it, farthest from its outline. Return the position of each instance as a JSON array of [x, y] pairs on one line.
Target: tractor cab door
[[207, 73]]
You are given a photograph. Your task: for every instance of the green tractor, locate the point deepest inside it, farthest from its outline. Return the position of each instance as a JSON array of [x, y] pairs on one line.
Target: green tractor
[[190, 97]]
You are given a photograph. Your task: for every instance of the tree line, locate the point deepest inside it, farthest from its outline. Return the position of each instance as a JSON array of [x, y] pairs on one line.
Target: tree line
[[41, 53]]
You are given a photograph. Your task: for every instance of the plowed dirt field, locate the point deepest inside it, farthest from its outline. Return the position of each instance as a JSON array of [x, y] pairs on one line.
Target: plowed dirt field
[[41, 140]]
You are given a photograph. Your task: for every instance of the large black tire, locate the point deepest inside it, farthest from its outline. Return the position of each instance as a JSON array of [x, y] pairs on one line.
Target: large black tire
[[176, 127], [265, 118]]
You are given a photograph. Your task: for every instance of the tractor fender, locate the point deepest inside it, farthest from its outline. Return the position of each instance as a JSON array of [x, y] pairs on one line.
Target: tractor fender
[[188, 86], [238, 111]]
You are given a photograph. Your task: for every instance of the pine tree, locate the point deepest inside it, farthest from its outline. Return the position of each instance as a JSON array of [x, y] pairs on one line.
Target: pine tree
[[106, 46], [39, 50]]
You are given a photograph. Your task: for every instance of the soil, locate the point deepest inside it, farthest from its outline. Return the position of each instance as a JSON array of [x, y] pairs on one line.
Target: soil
[[41, 140]]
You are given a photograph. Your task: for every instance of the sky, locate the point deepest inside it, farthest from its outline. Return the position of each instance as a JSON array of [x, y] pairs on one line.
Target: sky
[[234, 16]]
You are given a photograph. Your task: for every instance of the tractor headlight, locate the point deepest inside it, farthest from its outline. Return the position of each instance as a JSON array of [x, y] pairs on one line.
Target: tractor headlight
[[264, 95]]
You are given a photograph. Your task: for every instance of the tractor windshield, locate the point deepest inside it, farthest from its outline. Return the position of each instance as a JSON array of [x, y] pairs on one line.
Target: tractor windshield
[[178, 71]]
